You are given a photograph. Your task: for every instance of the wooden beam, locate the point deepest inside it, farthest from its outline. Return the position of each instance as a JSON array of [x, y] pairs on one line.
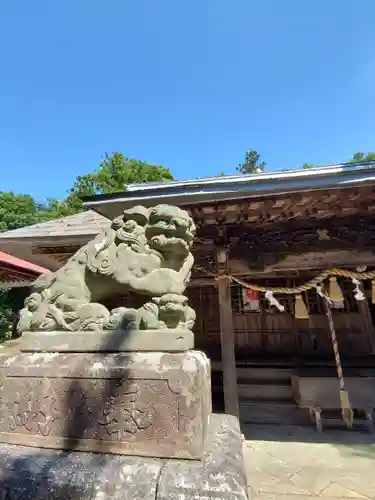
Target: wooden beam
[[227, 345]]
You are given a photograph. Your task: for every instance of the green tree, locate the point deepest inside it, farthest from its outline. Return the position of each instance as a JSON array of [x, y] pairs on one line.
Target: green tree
[[356, 158], [5, 315], [18, 210], [360, 157], [11, 301], [252, 163], [114, 174]]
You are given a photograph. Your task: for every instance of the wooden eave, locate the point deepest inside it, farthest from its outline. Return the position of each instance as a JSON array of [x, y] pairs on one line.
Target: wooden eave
[[310, 206], [271, 237], [240, 225], [11, 276], [287, 236]]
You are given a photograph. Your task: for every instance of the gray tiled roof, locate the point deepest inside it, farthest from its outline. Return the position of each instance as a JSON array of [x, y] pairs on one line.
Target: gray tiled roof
[[88, 222]]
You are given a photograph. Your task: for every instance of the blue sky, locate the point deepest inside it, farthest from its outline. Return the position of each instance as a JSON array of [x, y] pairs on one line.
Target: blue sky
[[189, 84]]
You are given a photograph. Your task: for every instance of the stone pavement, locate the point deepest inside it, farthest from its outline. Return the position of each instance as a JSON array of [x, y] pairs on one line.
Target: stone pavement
[[297, 463]]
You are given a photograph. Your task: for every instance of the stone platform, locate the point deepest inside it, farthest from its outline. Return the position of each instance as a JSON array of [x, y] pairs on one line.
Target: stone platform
[[36, 474], [166, 340], [153, 404]]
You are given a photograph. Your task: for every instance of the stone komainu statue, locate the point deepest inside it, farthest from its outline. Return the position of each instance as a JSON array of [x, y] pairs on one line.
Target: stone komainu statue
[[146, 252]]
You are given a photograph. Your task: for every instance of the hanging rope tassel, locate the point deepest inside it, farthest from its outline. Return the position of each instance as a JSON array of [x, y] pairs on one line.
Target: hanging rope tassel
[[335, 293], [273, 301], [358, 293], [300, 309], [346, 410], [373, 291]]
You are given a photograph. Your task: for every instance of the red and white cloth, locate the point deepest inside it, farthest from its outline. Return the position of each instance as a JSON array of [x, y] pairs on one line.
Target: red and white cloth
[[250, 299]]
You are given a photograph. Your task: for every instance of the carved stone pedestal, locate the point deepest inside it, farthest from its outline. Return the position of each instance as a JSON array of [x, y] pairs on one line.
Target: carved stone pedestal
[[147, 414], [152, 404], [37, 474]]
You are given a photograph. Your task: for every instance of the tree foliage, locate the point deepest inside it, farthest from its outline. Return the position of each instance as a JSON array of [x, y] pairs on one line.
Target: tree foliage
[[11, 301], [114, 174], [359, 157], [5, 315], [356, 158], [252, 163], [18, 210]]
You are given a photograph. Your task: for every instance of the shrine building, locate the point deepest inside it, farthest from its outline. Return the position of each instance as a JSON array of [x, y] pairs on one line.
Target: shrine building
[[270, 249]]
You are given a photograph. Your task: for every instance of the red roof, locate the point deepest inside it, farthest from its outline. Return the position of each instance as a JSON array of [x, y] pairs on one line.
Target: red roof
[[20, 264]]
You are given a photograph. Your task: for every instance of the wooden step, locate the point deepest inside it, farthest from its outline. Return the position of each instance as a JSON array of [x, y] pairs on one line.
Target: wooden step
[[272, 375], [271, 413], [265, 392]]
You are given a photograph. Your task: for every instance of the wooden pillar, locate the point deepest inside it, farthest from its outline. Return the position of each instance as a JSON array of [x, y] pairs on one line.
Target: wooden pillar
[[227, 344], [364, 310]]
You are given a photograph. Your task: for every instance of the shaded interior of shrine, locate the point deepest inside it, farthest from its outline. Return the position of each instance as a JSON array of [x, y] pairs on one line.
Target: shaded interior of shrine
[[286, 249]]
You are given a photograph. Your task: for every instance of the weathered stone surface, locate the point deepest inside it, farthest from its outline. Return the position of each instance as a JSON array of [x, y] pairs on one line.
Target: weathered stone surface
[[36, 474], [219, 475], [145, 254], [168, 340], [150, 404]]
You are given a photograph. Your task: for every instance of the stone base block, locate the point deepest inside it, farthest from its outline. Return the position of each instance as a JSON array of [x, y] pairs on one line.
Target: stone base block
[[36, 474], [147, 404], [168, 340]]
